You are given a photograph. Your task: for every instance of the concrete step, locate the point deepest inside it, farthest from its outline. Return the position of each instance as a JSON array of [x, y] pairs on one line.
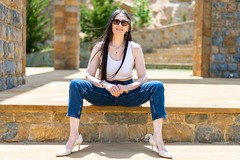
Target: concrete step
[[190, 45], [177, 51], [169, 66], [118, 151], [172, 56], [168, 58]]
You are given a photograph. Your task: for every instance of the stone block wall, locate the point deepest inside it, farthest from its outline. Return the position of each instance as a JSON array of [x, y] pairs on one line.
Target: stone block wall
[[225, 51], [12, 43], [118, 124], [40, 59], [217, 38], [181, 33]]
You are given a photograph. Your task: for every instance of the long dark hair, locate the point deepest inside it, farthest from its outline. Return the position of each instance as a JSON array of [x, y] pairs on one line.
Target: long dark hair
[[106, 39]]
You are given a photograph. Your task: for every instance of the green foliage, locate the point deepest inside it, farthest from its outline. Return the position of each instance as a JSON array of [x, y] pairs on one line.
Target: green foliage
[[184, 17], [38, 29], [93, 21], [170, 20], [141, 13]]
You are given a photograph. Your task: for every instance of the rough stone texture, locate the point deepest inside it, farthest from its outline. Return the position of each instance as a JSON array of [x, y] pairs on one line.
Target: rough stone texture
[[176, 117], [225, 35], [209, 134], [87, 118], [12, 43], [6, 117], [233, 133], [90, 132], [60, 117], [48, 132], [237, 120], [202, 34], [222, 119], [11, 131], [177, 132], [197, 118], [111, 125], [66, 38], [40, 59], [22, 132], [125, 118], [219, 25], [137, 132], [33, 117], [113, 133], [164, 37]]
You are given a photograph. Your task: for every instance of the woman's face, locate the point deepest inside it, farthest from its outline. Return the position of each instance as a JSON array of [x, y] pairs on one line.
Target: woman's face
[[120, 24]]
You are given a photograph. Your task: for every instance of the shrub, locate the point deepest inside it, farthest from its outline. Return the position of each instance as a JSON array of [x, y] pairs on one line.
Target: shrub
[[38, 30], [141, 13], [93, 21]]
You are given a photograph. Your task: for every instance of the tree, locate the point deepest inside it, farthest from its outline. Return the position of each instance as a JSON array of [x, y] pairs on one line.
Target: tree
[[141, 13], [38, 30], [93, 21]]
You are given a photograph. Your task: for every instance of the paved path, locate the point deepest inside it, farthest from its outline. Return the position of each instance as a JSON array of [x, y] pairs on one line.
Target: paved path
[[119, 151], [49, 87]]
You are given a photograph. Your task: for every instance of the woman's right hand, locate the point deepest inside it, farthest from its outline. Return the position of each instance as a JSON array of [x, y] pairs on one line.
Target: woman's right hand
[[112, 88]]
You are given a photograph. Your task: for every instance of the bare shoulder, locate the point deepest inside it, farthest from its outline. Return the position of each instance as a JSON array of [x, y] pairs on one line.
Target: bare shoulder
[[136, 49], [135, 45], [98, 45]]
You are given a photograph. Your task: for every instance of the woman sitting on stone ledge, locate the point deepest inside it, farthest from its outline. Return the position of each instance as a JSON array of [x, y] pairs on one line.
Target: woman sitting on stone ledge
[[116, 55]]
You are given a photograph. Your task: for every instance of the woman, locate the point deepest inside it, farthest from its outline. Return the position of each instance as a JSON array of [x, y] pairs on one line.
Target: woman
[[116, 55]]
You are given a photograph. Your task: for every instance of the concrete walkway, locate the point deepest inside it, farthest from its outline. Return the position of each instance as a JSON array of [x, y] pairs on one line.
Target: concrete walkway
[[48, 87], [118, 151], [45, 86]]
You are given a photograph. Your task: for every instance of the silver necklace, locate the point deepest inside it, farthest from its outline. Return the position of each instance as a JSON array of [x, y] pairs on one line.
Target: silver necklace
[[116, 48]]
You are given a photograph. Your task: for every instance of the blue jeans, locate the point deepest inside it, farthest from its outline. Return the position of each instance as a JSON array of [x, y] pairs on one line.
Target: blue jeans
[[82, 89]]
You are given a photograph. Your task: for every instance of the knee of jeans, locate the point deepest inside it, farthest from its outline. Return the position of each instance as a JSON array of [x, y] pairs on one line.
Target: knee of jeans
[[74, 83], [159, 86]]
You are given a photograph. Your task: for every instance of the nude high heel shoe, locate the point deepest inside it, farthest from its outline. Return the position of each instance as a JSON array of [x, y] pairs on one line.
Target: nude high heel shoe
[[66, 151], [163, 153]]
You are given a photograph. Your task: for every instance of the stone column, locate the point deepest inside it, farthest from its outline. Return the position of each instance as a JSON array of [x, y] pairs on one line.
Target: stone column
[[24, 40], [66, 36], [202, 38], [225, 52], [12, 43]]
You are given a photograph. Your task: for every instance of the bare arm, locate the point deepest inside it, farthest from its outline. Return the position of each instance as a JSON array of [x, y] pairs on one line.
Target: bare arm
[[140, 67], [93, 66]]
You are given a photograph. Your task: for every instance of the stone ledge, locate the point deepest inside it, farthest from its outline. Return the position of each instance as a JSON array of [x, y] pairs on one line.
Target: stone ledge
[[21, 123], [90, 108]]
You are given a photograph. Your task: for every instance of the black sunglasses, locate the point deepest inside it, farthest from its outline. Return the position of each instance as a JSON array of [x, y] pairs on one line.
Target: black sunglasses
[[117, 22]]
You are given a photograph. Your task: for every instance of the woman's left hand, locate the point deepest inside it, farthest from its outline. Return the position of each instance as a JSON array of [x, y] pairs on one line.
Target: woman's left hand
[[122, 88]]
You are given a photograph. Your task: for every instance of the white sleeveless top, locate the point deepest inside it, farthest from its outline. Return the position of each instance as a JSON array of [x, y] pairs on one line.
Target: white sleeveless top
[[126, 70]]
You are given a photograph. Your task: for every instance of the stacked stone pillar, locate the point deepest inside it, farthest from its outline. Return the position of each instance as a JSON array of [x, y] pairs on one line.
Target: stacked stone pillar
[[12, 43], [225, 52], [202, 38], [66, 36], [217, 38]]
